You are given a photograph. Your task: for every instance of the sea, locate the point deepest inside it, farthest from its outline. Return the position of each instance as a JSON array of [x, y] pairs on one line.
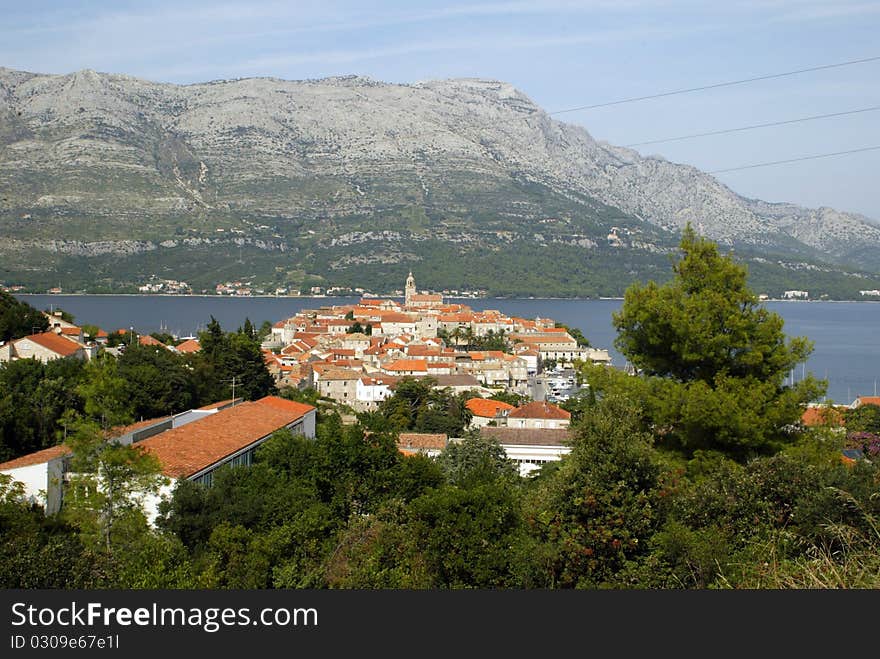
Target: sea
[[845, 335]]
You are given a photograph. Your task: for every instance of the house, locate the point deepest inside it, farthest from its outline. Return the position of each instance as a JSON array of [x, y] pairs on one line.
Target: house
[[531, 448], [865, 400], [486, 411], [402, 367], [189, 346], [37, 472], [460, 383], [148, 341], [57, 322], [191, 445], [372, 390], [46, 347], [538, 415], [430, 444], [822, 415], [340, 384]]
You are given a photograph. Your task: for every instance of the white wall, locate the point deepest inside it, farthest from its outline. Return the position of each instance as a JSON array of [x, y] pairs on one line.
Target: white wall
[[35, 479], [530, 458]]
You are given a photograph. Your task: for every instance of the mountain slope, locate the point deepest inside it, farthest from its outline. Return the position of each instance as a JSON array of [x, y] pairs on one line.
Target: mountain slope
[[107, 176]]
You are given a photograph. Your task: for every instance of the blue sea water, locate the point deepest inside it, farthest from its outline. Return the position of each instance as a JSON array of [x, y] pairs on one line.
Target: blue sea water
[[846, 335]]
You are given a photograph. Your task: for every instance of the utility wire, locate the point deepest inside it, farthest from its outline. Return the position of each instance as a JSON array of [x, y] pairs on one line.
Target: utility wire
[[754, 126], [781, 162], [717, 85]]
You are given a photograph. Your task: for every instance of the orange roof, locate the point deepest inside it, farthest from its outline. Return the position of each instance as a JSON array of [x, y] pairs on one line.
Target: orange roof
[[395, 317], [71, 331], [102, 334], [539, 410], [190, 345], [818, 416], [39, 457], [421, 440], [408, 365], [189, 449], [485, 407], [869, 400], [147, 340], [54, 342]]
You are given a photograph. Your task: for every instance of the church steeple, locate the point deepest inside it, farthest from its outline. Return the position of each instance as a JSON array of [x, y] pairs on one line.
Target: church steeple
[[410, 288]]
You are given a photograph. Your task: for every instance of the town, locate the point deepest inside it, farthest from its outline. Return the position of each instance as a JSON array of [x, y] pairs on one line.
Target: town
[[353, 357], [419, 443]]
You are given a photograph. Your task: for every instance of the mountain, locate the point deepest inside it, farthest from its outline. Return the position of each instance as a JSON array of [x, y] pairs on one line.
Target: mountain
[[108, 179]]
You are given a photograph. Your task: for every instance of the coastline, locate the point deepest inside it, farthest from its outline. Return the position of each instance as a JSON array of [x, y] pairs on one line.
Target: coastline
[[381, 297]]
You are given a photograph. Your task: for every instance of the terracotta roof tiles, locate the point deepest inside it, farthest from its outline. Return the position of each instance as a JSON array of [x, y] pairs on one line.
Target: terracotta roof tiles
[[485, 407], [54, 342], [191, 448]]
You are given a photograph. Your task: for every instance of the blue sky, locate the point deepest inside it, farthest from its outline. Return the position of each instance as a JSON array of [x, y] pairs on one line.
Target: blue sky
[[560, 53]]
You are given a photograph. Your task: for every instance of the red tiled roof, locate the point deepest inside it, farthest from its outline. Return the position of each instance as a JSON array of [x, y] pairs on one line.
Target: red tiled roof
[[186, 450], [395, 317], [539, 410], [190, 345], [54, 342], [818, 416], [869, 400], [408, 365], [39, 457], [528, 436], [485, 407], [420, 440], [71, 331], [147, 340]]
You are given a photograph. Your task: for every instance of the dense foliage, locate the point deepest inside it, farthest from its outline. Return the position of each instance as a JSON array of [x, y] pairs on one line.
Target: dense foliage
[[713, 360], [627, 508], [19, 319]]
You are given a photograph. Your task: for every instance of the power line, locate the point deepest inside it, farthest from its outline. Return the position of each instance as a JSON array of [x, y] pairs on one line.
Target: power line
[[781, 162], [754, 126], [717, 85]]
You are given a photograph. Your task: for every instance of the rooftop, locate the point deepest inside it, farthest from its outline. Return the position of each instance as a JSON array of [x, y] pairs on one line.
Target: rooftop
[[189, 449]]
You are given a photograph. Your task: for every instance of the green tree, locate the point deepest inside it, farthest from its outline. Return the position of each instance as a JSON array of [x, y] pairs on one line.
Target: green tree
[[157, 381], [595, 514], [864, 418], [104, 393], [228, 355], [109, 481], [576, 334], [476, 459], [18, 319], [33, 398], [713, 360], [417, 406]]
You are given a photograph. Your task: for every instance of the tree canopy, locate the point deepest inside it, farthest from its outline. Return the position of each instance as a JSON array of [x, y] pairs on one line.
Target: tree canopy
[[18, 319], [713, 360]]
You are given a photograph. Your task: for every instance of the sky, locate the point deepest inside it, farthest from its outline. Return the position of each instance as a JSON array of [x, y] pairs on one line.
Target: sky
[[562, 54]]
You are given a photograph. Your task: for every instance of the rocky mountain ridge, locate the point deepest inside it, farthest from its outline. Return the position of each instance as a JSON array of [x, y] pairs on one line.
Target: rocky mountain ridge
[[91, 160]]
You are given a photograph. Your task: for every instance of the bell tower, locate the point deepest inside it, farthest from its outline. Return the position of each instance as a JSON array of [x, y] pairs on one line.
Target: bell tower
[[410, 288]]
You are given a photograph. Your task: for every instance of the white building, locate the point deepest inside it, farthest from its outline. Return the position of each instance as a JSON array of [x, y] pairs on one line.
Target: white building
[[530, 449], [191, 445]]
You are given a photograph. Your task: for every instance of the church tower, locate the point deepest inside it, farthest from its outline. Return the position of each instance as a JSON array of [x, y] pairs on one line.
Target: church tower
[[410, 288]]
